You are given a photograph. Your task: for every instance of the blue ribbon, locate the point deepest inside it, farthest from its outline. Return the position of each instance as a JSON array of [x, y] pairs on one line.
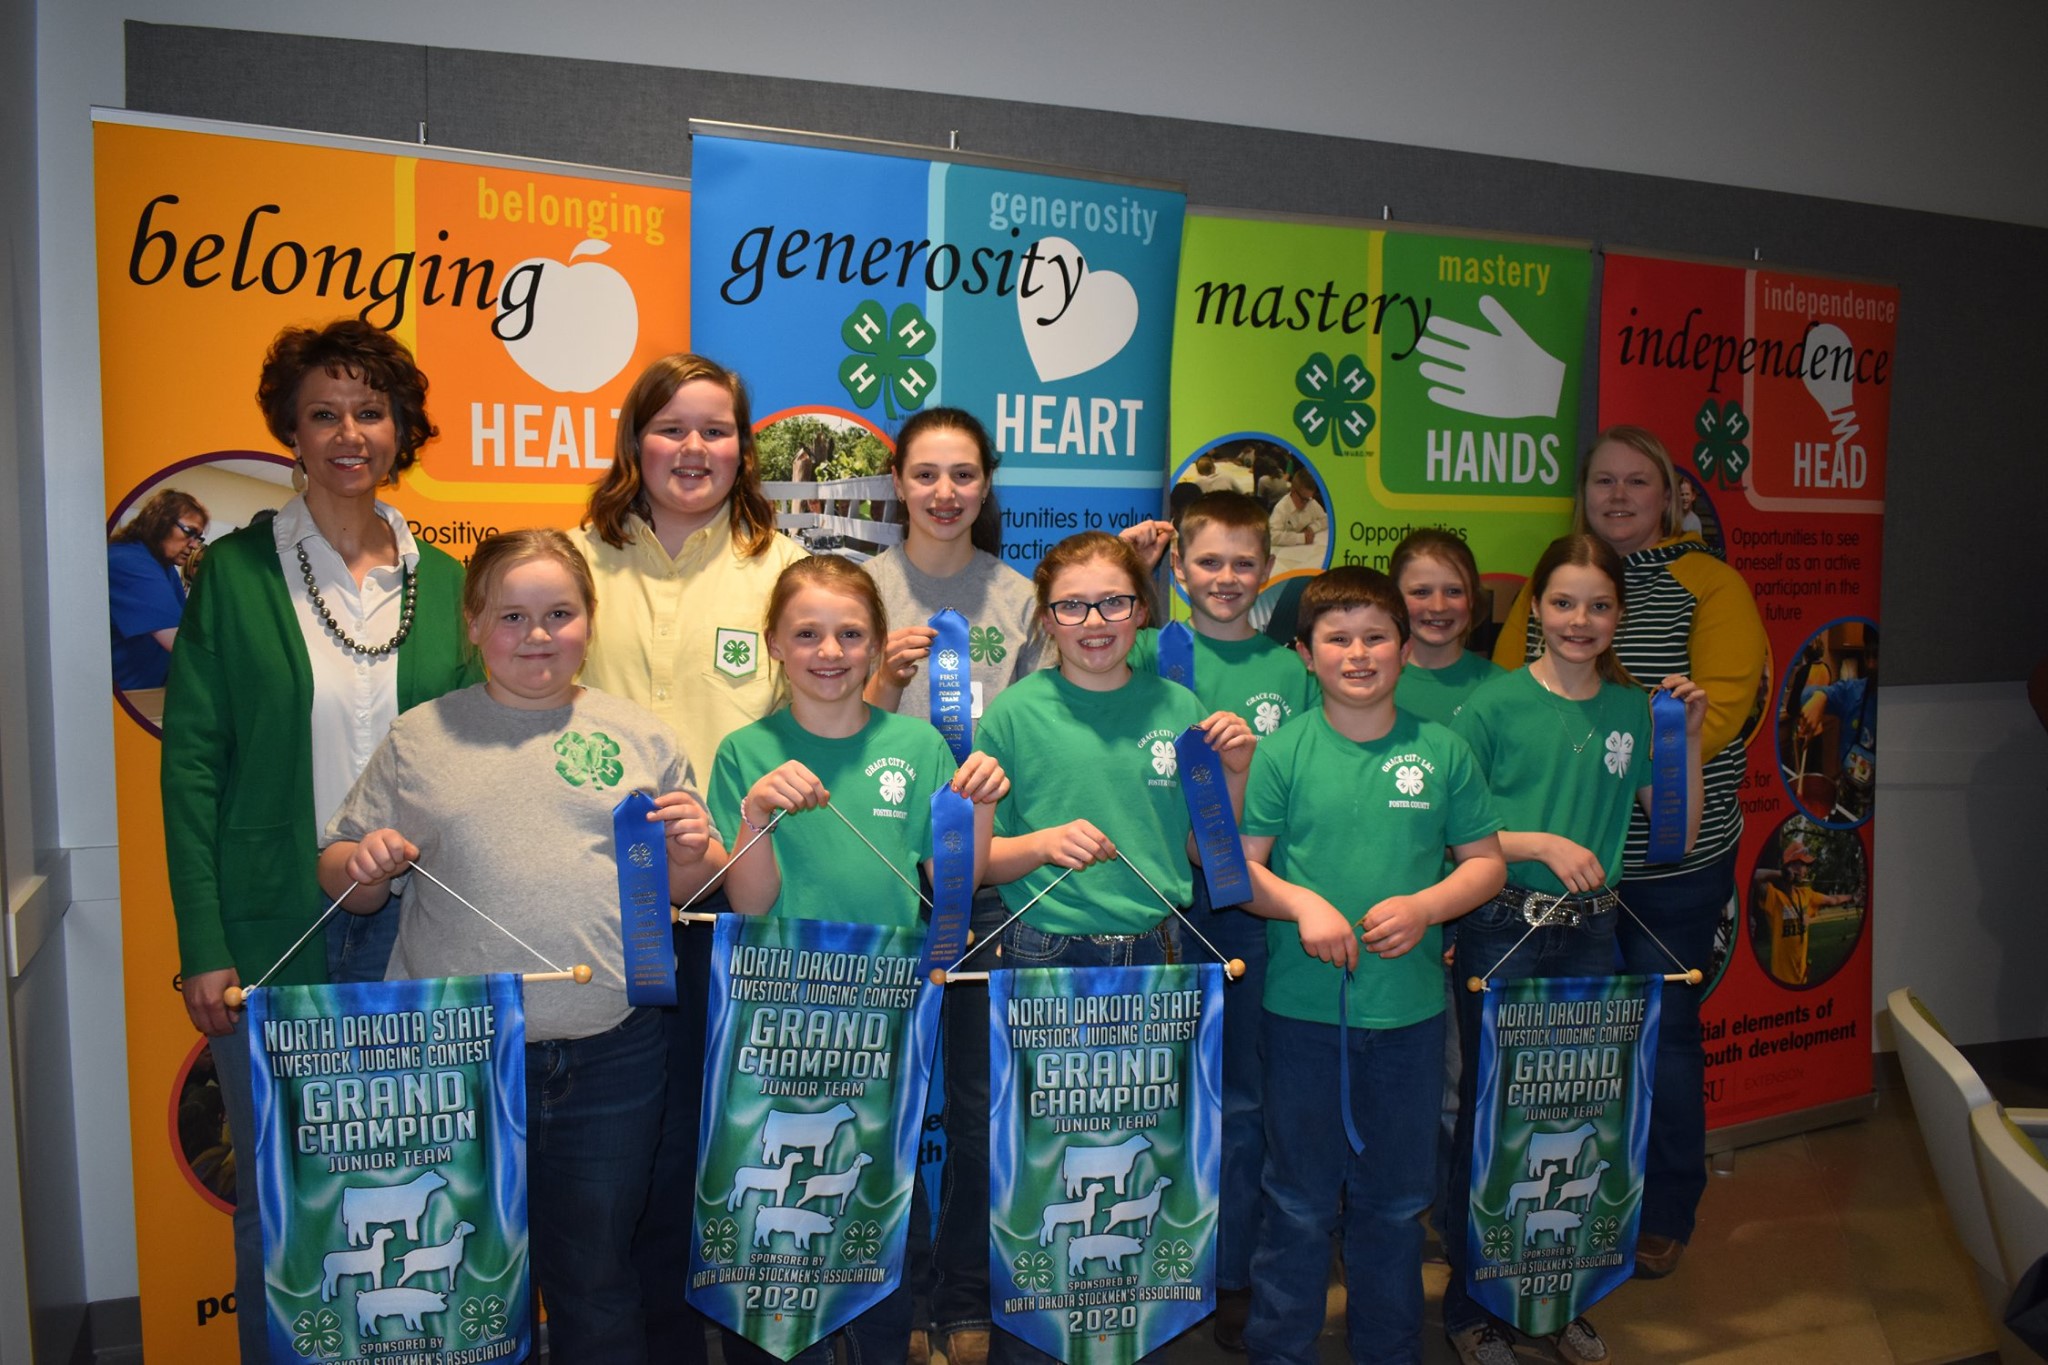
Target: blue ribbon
[[952, 880], [1215, 824], [952, 695], [644, 923], [1351, 1133], [1177, 662], [1668, 795]]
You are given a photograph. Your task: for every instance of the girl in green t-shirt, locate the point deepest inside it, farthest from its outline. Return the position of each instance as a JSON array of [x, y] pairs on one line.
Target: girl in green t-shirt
[[1439, 582]]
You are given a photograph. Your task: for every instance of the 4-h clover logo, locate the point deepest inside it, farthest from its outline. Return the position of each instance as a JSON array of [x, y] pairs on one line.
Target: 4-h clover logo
[[952, 840], [1604, 1233], [1033, 1270], [985, 645], [893, 784], [1408, 780], [1722, 452], [1266, 717], [721, 1240], [1619, 749], [483, 1317], [317, 1332], [949, 659], [1333, 402], [1499, 1242], [596, 759], [1173, 1259], [1164, 761], [640, 855], [738, 652], [863, 1240], [885, 360]]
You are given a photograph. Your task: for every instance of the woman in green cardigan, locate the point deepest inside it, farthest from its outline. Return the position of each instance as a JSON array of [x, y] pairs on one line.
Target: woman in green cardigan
[[306, 633]]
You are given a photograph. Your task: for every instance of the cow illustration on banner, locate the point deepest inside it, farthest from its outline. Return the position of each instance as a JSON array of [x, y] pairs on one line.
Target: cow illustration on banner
[[1104, 1130], [853, 287], [1560, 1129], [390, 1162], [820, 1051]]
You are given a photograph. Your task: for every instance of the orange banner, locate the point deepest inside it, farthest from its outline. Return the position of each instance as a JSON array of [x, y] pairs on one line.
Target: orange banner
[[531, 293]]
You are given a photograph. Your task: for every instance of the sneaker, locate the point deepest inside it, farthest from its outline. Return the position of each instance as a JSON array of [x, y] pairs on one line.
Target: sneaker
[[1233, 1307], [968, 1347], [1657, 1256], [1579, 1344], [1483, 1344]]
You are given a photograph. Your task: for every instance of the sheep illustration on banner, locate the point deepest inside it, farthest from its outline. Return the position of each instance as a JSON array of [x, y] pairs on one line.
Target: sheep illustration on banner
[[390, 1165], [1105, 1120], [819, 1060], [1561, 1126]]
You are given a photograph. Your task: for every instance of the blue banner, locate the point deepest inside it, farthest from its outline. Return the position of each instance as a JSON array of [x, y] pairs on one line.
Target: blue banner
[[1560, 1127], [858, 285], [821, 1040], [390, 1165], [1105, 1119]]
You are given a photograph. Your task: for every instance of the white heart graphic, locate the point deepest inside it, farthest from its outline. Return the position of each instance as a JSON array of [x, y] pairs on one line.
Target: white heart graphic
[[1098, 320]]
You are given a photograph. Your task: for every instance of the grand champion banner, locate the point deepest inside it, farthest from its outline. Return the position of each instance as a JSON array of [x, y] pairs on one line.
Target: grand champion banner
[[854, 287], [531, 293], [1415, 380], [1105, 1120], [1772, 392], [821, 1043], [391, 1155], [1561, 1124]]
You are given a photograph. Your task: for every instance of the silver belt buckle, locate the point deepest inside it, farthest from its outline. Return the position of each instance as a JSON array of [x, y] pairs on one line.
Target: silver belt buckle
[[1544, 911]]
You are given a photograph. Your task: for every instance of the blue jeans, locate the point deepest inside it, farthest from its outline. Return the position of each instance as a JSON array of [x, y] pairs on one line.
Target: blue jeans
[[1315, 1185], [1682, 911], [1024, 946], [359, 946], [232, 1067], [593, 1115], [1239, 934], [1484, 938], [661, 1244]]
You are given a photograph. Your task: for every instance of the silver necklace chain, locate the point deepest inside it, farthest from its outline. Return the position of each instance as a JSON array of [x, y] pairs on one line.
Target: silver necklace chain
[[1558, 711]]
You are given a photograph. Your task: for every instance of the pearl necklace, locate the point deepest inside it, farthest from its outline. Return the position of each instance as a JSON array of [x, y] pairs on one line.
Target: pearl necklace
[[1558, 711], [412, 598]]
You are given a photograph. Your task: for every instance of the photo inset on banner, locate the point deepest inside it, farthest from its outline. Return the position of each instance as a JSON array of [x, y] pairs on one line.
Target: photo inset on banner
[[1297, 506], [1697, 514], [1808, 896], [1827, 723], [800, 450], [1724, 943], [199, 1123], [156, 542]]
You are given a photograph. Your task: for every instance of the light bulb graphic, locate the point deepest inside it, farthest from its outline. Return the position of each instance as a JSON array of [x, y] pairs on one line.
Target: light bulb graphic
[[1836, 394]]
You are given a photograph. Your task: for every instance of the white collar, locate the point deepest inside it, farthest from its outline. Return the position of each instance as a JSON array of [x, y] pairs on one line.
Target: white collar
[[294, 526]]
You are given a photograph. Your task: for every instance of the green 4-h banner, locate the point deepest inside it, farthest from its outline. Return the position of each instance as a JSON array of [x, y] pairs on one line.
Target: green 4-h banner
[[814, 1088], [1560, 1128], [1104, 1129], [391, 1169]]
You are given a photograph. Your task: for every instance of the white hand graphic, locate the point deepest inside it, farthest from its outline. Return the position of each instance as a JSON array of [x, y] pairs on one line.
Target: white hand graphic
[[1502, 373]]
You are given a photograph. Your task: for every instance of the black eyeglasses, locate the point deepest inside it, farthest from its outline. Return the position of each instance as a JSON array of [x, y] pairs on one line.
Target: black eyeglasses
[[191, 532], [1072, 611]]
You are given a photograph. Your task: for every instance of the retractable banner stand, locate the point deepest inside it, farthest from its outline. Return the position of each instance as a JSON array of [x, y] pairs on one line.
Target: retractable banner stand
[[391, 1155], [1561, 1125], [531, 294], [853, 284], [1416, 379], [821, 1041], [1104, 1129], [1772, 391]]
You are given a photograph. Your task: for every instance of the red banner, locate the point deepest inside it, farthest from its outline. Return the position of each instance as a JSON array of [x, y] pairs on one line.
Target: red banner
[[1773, 393]]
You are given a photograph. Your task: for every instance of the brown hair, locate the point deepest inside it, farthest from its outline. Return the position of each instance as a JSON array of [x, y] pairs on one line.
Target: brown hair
[[499, 554], [1229, 511], [1446, 548], [352, 347], [160, 516], [1084, 547], [832, 574], [621, 491], [1584, 550], [1346, 588], [987, 532], [1643, 442]]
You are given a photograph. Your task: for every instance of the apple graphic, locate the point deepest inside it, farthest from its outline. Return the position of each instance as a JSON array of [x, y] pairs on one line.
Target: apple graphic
[[585, 322]]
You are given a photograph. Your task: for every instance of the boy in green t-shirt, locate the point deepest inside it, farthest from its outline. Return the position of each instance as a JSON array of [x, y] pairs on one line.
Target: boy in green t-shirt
[[1221, 559], [1347, 816]]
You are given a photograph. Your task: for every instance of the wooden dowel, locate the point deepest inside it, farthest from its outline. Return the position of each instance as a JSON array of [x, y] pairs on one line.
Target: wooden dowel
[[235, 996]]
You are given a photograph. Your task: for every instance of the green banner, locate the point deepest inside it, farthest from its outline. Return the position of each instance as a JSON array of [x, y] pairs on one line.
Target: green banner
[[390, 1163], [1420, 379], [1104, 1129], [1560, 1128]]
